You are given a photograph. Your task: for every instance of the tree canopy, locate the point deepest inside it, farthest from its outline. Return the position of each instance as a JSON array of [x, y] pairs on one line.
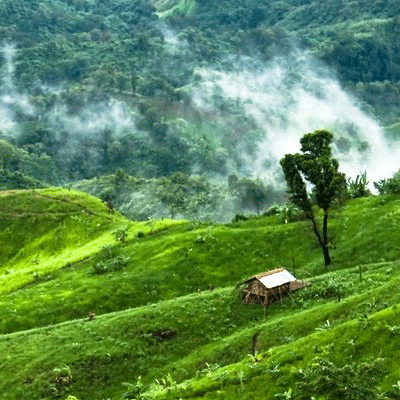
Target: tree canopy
[[316, 166]]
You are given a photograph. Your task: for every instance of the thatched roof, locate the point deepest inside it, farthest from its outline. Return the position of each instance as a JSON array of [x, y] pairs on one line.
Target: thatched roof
[[273, 278]]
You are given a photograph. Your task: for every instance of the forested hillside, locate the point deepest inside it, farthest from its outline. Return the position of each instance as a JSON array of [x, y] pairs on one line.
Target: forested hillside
[[212, 88]]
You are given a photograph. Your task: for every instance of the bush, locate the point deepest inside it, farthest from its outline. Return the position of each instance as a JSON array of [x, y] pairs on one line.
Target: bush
[[356, 381], [358, 187], [287, 213], [333, 288], [389, 186], [140, 234], [112, 265], [109, 261], [62, 378], [121, 234]]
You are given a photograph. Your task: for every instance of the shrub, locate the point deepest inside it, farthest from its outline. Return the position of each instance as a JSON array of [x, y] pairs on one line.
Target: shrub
[[109, 261], [332, 288], [388, 186], [114, 264], [358, 187], [356, 381], [121, 234], [140, 234], [62, 378]]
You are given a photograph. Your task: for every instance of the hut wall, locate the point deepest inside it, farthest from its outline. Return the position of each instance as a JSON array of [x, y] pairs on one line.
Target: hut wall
[[258, 293]]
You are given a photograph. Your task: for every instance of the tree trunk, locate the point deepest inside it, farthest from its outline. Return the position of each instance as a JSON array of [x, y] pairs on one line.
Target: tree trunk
[[322, 240], [316, 231], [325, 247], [327, 258]]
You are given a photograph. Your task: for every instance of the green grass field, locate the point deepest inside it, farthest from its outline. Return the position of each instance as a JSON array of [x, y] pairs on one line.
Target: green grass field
[[87, 296]]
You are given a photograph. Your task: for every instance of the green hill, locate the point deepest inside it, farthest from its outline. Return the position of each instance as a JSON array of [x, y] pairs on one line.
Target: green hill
[[172, 112], [96, 306]]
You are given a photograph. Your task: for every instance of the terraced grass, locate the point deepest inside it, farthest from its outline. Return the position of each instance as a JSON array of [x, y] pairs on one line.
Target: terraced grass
[[157, 280], [355, 331], [213, 329]]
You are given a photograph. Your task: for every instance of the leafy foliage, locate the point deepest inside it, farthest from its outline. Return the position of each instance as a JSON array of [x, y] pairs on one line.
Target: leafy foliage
[[148, 56], [390, 185], [352, 381], [109, 261], [322, 171], [359, 186], [6, 153], [76, 56]]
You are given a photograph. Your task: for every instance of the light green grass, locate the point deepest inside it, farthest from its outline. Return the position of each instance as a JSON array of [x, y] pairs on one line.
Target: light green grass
[[44, 230], [164, 284]]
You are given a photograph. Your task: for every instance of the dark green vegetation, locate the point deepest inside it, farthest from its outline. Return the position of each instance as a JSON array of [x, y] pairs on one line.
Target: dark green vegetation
[[320, 169], [133, 68], [180, 195], [95, 306]]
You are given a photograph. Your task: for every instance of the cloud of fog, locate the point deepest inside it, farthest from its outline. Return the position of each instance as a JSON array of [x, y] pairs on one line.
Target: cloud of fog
[[289, 97], [172, 42], [83, 127], [10, 100], [86, 132], [8, 53], [93, 118]]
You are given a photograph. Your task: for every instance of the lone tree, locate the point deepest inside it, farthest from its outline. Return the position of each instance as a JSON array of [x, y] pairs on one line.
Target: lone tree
[[316, 166]]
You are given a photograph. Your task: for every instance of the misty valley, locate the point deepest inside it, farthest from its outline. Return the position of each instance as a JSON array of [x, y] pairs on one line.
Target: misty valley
[[157, 155]]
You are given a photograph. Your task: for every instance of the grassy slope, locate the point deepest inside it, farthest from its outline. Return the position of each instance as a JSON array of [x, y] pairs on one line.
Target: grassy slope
[[43, 304], [44, 230]]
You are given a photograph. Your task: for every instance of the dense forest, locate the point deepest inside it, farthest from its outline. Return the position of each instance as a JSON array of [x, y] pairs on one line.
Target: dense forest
[[207, 88]]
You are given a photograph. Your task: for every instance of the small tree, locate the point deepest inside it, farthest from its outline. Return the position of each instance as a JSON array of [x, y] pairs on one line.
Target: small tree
[[253, 194], [316, 166], [173, 192]]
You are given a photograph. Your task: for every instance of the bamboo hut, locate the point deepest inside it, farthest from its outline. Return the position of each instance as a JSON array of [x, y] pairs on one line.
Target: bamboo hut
[[270, 286]]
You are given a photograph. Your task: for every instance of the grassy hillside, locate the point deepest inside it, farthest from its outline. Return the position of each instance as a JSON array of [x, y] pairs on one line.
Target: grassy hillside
[[96, 306], [44, 230]]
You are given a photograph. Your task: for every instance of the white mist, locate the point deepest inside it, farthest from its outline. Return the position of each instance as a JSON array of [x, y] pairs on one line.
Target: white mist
[[294, 95]]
